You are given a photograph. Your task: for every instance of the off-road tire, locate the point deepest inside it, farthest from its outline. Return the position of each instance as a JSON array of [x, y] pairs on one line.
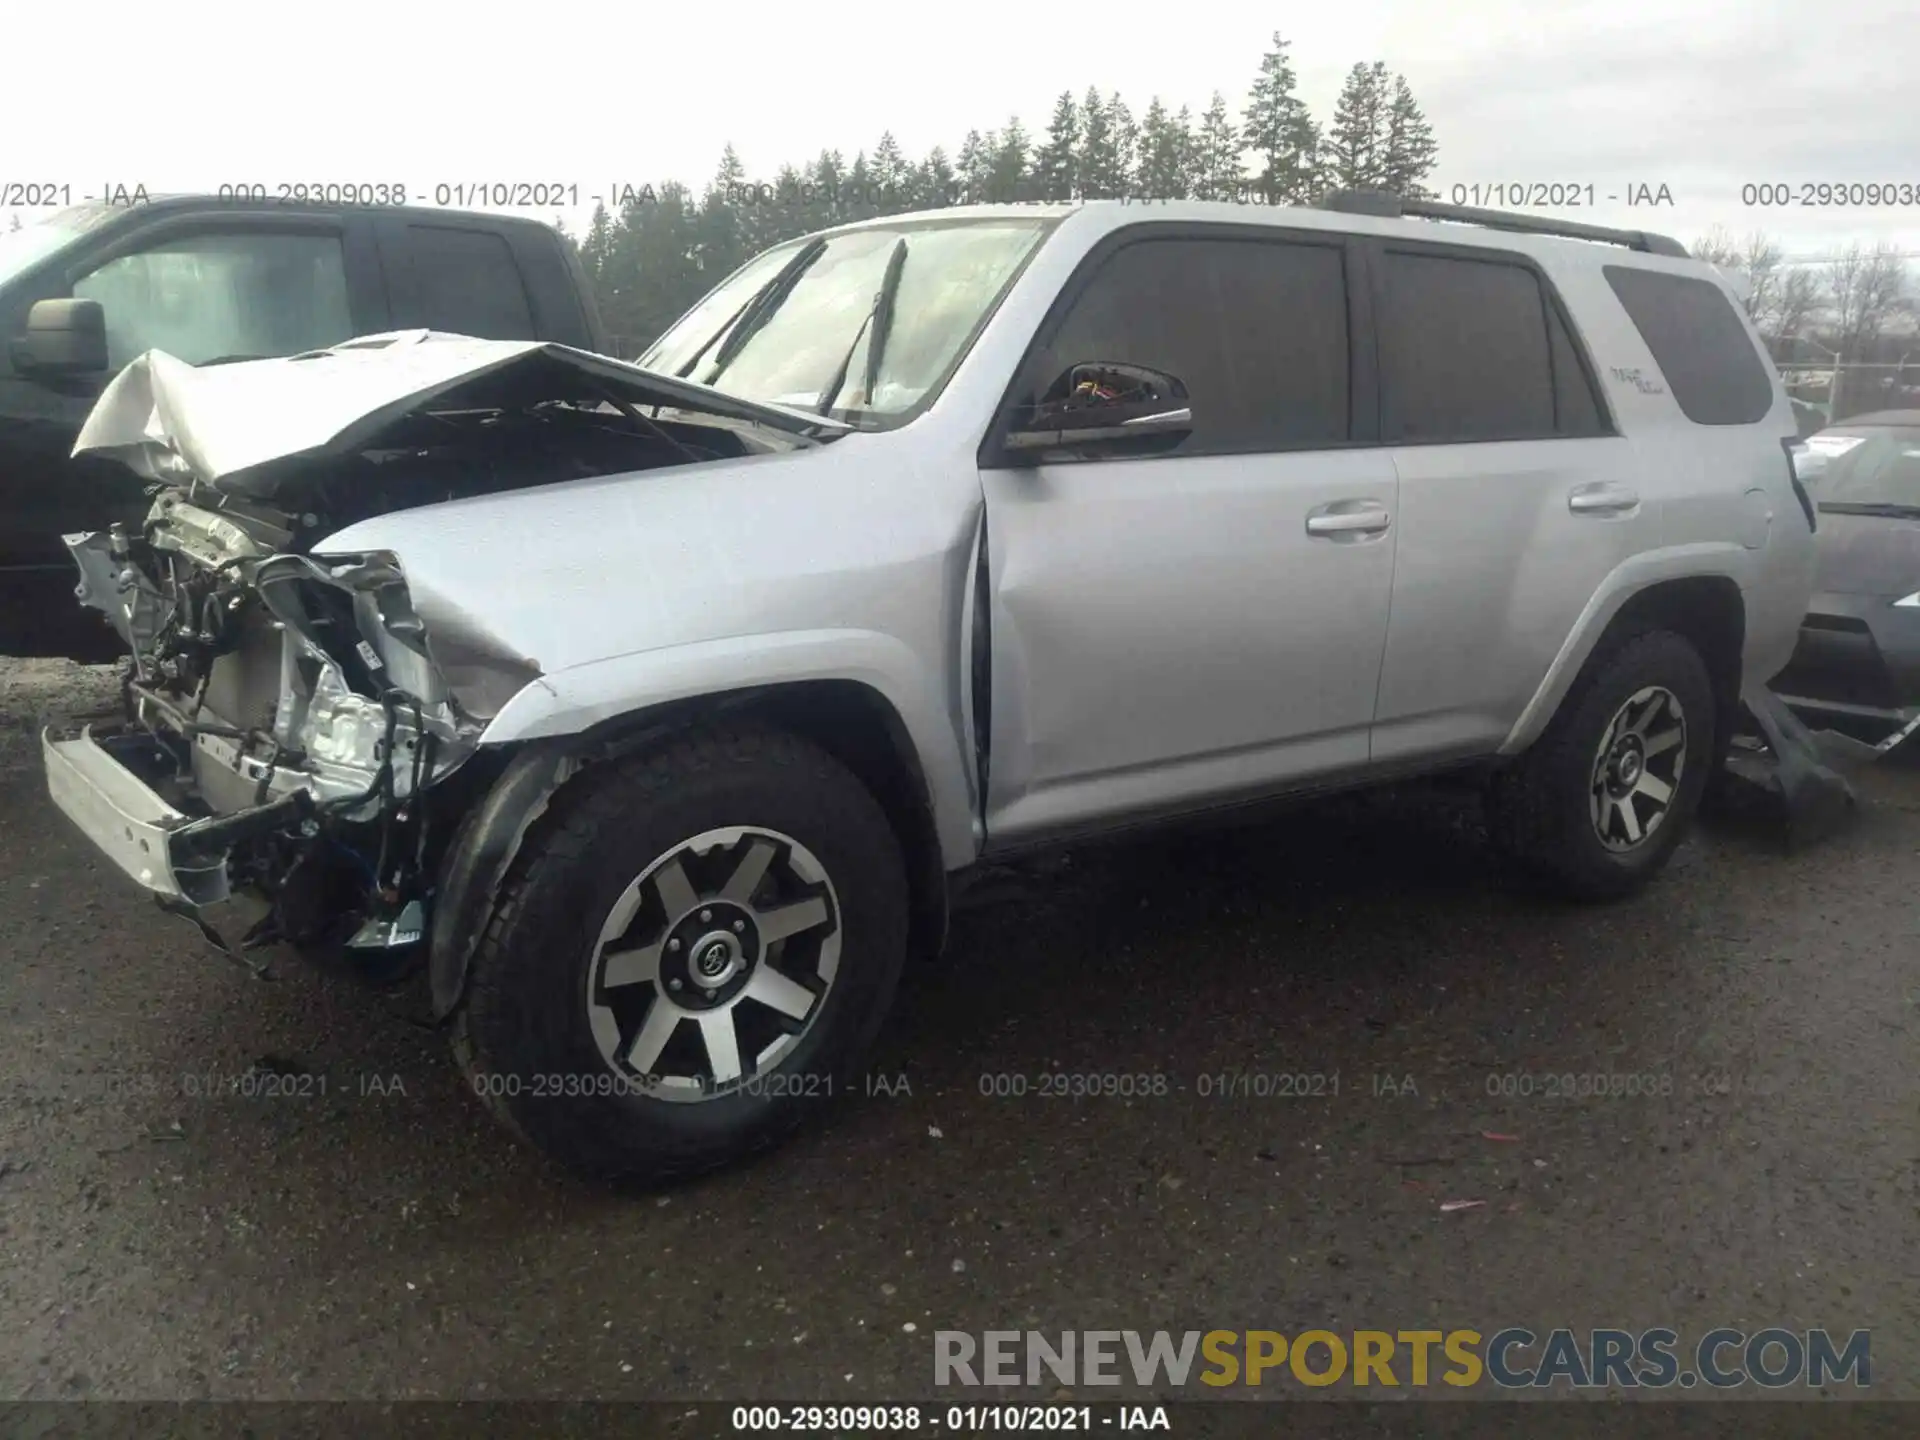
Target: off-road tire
[[1538, 816], [524, 1015]]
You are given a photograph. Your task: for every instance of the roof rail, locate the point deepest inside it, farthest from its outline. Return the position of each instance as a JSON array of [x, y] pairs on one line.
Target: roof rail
[[1389, 206]]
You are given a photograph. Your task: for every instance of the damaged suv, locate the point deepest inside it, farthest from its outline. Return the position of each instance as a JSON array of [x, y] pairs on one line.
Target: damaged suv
[[647, 709]]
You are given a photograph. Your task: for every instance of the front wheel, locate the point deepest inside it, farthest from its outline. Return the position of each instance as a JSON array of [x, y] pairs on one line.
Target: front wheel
[[1601, 799], [690, 957]]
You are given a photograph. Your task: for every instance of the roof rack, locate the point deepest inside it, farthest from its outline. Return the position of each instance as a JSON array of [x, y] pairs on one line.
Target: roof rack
[[1389, 206]]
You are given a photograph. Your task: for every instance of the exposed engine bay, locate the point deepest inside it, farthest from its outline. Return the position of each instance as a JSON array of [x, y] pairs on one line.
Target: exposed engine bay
[[292, 705]]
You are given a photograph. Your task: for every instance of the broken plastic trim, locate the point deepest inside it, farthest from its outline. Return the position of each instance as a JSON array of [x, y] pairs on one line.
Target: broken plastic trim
[[460, 674], [113, 585], [1815, 797]]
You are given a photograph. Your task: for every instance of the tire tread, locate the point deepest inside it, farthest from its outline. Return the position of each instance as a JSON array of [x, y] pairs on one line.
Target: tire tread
[[1529, 821], [558, 844]]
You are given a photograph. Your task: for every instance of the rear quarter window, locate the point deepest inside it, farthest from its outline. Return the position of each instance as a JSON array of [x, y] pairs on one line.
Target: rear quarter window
[[1700, 344]]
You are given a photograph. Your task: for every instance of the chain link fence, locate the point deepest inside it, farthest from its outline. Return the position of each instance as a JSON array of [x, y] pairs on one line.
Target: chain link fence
[[1852, 388]]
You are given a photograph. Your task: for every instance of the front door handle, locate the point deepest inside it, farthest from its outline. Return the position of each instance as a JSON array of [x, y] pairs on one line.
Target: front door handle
[[1603, 498], [1348, 519]]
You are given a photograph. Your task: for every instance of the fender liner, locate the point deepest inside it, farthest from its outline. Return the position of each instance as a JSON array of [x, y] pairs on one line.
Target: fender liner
[[483, 850], [489, 838]]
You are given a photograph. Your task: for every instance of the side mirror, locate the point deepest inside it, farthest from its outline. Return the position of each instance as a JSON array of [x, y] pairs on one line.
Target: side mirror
[[1111, 406], [63, 337]]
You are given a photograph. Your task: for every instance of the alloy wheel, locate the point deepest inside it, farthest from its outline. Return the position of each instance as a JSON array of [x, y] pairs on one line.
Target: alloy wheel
[[1637, 769], [713, 963]]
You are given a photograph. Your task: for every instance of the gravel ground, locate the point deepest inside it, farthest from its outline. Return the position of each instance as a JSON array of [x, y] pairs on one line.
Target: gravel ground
[[385, 1240]]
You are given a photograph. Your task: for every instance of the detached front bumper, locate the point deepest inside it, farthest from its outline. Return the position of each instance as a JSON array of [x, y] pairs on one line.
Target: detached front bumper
[[122, 815], [105, 786], [1858, 658]]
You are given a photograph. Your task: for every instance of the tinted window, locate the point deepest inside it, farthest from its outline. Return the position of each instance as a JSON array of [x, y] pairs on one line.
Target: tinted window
[[466, 282], [1699, 343], [1256, 329], [223, 296], [1576, 406], [1465, 352]]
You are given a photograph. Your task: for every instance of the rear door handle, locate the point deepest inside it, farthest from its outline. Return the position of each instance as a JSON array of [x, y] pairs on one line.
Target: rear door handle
[[1348, 519], [1603, 498]]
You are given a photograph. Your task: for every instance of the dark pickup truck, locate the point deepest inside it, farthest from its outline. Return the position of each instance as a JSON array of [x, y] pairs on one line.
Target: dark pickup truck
[[206, 280]]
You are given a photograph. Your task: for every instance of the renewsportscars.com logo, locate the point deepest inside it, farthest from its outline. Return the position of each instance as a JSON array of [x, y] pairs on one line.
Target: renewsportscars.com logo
[[1513, 1358]]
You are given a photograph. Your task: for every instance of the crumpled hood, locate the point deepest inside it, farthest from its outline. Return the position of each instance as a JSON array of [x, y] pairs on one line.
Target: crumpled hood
[[228, 425]]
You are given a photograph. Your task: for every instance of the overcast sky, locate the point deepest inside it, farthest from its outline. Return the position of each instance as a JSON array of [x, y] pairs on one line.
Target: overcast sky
[[1700, 97]]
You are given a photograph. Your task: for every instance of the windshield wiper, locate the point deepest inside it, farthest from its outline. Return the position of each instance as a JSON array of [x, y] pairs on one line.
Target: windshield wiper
[[879, 319], [745, 322], [883, 319], [1885, 509]]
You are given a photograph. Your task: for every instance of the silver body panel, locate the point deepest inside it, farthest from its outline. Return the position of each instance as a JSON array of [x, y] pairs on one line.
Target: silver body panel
[[1164, 633], [1168, 633], [127, 821]]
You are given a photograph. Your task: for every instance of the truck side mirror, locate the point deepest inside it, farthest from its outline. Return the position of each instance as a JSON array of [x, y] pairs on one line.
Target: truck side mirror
[[63, 337], [1127, 408]]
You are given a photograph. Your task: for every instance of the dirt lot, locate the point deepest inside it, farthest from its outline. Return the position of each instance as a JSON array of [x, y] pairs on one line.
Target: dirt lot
[[376, 1236]]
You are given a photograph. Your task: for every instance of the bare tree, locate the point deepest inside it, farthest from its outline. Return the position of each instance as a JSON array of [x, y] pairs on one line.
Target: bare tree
[[1760, 259], [1716, 247], [1795, 301], [1865, 290], [1756, 260]]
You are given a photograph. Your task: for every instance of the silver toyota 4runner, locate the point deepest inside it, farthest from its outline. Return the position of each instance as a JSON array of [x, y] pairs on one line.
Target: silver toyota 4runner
[[645, 710]]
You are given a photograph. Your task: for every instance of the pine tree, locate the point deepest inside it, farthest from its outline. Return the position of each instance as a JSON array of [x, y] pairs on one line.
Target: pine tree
[[1356, 143], [891, 173], [975, 166], [1410, 149], [934, 180], [1126, 143], [731, 175], [724, 237], [828, 168], [1280, 130], [1056, 161], [598, 245], [792, 210], [1218, 173], [658, 251], [1098, 160], [1189, 150], [652, 271], [858, 202], [1162, 171], [827, 176], [1007, 171]]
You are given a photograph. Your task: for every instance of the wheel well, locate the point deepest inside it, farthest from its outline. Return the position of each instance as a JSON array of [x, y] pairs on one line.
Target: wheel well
[[1710, 612], [490, 806], [859, 727]]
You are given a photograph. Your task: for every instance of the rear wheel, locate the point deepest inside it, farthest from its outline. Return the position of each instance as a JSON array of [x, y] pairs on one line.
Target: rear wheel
[[1599, 802], [691, 956]]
